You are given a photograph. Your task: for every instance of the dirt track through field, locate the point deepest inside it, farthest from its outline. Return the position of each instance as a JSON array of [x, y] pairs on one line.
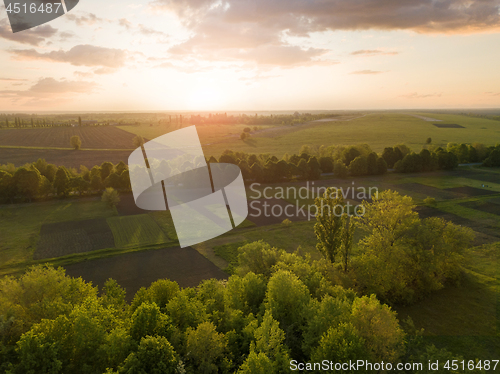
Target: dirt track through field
[[132, 271]]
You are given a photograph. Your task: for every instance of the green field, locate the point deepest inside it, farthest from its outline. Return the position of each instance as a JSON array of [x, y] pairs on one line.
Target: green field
[[136, 231], [164, 220], [465, 319], [379, 130], [20, 224]]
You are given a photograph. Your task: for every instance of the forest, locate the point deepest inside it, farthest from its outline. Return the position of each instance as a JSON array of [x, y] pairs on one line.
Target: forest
[[277, 306]]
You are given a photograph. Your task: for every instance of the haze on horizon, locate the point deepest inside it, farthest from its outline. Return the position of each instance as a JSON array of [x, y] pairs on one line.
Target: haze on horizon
[[236, 55]]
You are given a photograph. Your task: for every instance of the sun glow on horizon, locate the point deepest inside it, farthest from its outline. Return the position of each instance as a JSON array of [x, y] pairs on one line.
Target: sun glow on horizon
[[206, 98]]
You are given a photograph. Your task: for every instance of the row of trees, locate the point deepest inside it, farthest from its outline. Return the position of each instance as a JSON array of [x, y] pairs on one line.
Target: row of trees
[[41, 179], [35, 121], [357, 160], [18, 122]]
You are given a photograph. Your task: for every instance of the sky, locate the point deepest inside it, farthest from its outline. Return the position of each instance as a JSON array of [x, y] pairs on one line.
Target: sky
[[142, 55]]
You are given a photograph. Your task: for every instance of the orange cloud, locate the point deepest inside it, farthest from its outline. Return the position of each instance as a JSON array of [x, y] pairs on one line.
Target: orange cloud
[[80, 55]]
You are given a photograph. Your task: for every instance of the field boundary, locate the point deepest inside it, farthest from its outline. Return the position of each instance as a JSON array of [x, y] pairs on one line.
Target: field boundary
[[64, 149]]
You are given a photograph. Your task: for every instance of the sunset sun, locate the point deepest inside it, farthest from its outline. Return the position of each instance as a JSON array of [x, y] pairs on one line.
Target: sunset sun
[[205, 98]]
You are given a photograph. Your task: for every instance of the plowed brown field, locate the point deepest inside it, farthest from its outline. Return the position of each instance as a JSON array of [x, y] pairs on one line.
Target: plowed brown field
[[95, 137]]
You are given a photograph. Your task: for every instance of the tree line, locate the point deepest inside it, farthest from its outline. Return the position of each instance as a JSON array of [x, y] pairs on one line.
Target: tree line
[[357, 160], [18, 122], [43, 180]]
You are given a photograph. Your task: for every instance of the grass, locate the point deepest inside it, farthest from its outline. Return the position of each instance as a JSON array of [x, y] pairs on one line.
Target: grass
[[289, 238], [465, 319], [245, 224], [20, 224], [20, 268], [229, 252], [136, 231], [209, 134], [449, 181], [379, 130], [487, 219], [164, 220]]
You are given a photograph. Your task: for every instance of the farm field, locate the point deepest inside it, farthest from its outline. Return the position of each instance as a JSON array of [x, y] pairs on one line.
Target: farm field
[[20, 224], [132, 271], [379, 130], [136, 231], [92, 137], [68, 158]]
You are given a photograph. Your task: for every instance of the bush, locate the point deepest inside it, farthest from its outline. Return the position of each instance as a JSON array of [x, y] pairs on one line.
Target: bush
[[286, 222], [359, 166], [430, 201], [110, 197], [244, 135], [75, 142]]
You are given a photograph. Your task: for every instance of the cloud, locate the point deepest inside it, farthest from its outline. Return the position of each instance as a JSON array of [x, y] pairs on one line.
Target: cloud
[[34, 36], [83, 74], [80, 55], [149, 31], [49, 88], [367, 72], [318, 15], [85, 19], [492, 93], [372, 52], [104, 70], [415, 95], [141, 29], [220, 29], [123, 22], [242, 42], [283, 55], [12, 79]]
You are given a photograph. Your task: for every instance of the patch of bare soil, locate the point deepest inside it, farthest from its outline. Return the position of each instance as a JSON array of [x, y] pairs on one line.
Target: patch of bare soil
[[132, 271]]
